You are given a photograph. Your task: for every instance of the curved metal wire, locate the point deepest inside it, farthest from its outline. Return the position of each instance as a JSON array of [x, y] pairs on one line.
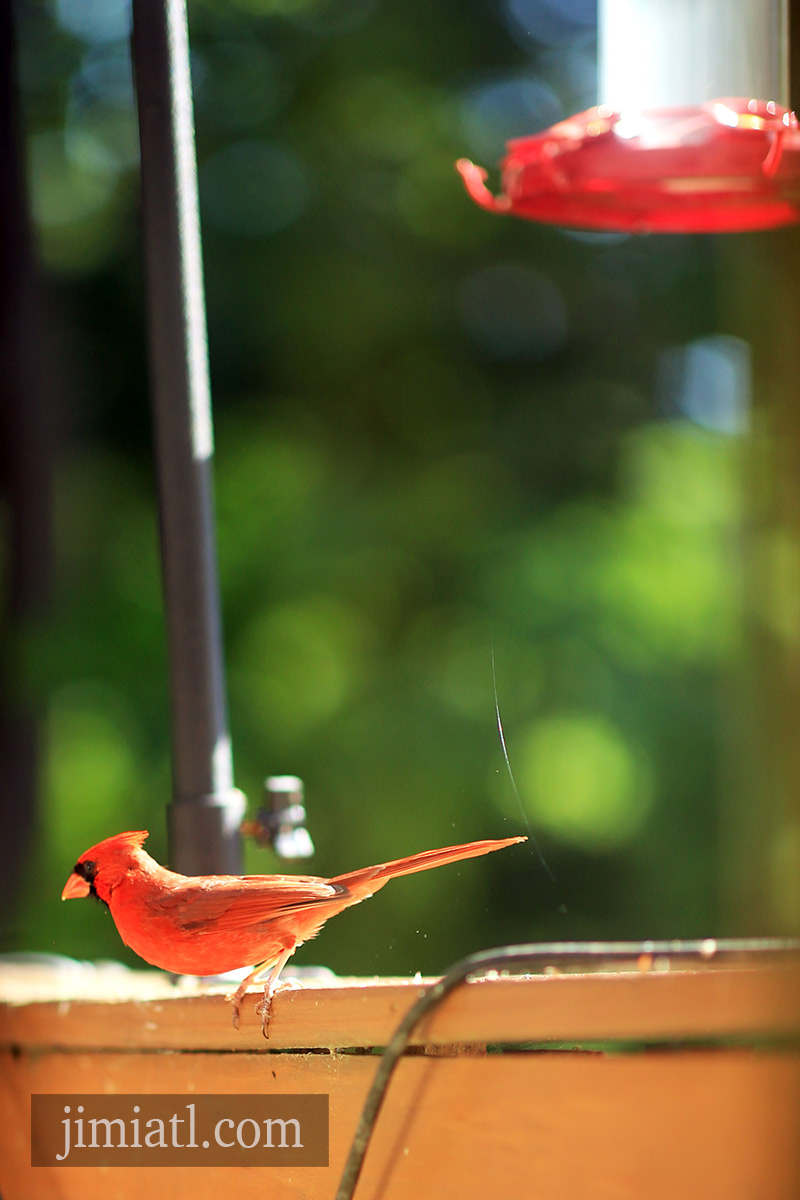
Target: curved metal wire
[[531, 957]]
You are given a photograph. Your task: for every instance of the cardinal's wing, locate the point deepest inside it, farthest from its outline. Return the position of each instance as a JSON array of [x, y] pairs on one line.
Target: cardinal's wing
[[238, 902]]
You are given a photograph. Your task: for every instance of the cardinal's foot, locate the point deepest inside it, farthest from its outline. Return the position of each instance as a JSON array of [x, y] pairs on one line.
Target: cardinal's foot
[[264, 1010], [235, 1000]]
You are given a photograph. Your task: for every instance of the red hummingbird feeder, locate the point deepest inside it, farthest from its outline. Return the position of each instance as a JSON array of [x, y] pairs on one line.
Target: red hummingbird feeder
[[721, 167], [662, 156]]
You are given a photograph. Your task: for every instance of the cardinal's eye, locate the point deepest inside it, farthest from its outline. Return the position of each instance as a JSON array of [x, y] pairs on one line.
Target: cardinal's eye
[[86, 870]]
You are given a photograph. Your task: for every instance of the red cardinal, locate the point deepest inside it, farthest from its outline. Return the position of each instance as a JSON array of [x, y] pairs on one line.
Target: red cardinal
[[209, 924]]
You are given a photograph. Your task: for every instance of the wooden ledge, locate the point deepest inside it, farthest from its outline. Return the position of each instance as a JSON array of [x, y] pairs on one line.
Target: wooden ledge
[[145, 1011], [713, 1117]]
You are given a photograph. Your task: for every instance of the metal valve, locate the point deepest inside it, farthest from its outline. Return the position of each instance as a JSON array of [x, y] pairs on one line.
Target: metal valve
[[281, 823]]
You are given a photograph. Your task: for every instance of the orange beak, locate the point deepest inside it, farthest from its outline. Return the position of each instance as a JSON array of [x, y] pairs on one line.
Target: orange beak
[[75, 887]]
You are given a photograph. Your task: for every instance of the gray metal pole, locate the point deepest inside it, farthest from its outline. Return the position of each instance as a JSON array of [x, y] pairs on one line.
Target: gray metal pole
[[206, 811], [662, 54]]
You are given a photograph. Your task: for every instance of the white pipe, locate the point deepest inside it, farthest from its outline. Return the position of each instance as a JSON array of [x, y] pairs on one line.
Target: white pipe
[[664, 53]]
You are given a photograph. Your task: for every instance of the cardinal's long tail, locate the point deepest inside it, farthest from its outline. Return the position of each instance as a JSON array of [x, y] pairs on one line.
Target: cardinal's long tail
[[366, 881]]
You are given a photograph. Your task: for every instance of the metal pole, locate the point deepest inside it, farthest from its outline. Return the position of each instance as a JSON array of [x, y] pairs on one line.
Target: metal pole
[[206, 811], [665, 53]]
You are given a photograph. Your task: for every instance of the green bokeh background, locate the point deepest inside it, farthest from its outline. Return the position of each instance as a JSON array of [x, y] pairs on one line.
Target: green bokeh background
[[441, 437]]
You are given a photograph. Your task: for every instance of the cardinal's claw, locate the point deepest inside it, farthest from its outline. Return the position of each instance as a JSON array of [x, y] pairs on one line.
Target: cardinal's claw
[[235, 1001], [264, 1010]]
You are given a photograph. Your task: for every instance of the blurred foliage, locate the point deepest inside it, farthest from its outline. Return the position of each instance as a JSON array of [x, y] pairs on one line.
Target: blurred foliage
[[443, 440]]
